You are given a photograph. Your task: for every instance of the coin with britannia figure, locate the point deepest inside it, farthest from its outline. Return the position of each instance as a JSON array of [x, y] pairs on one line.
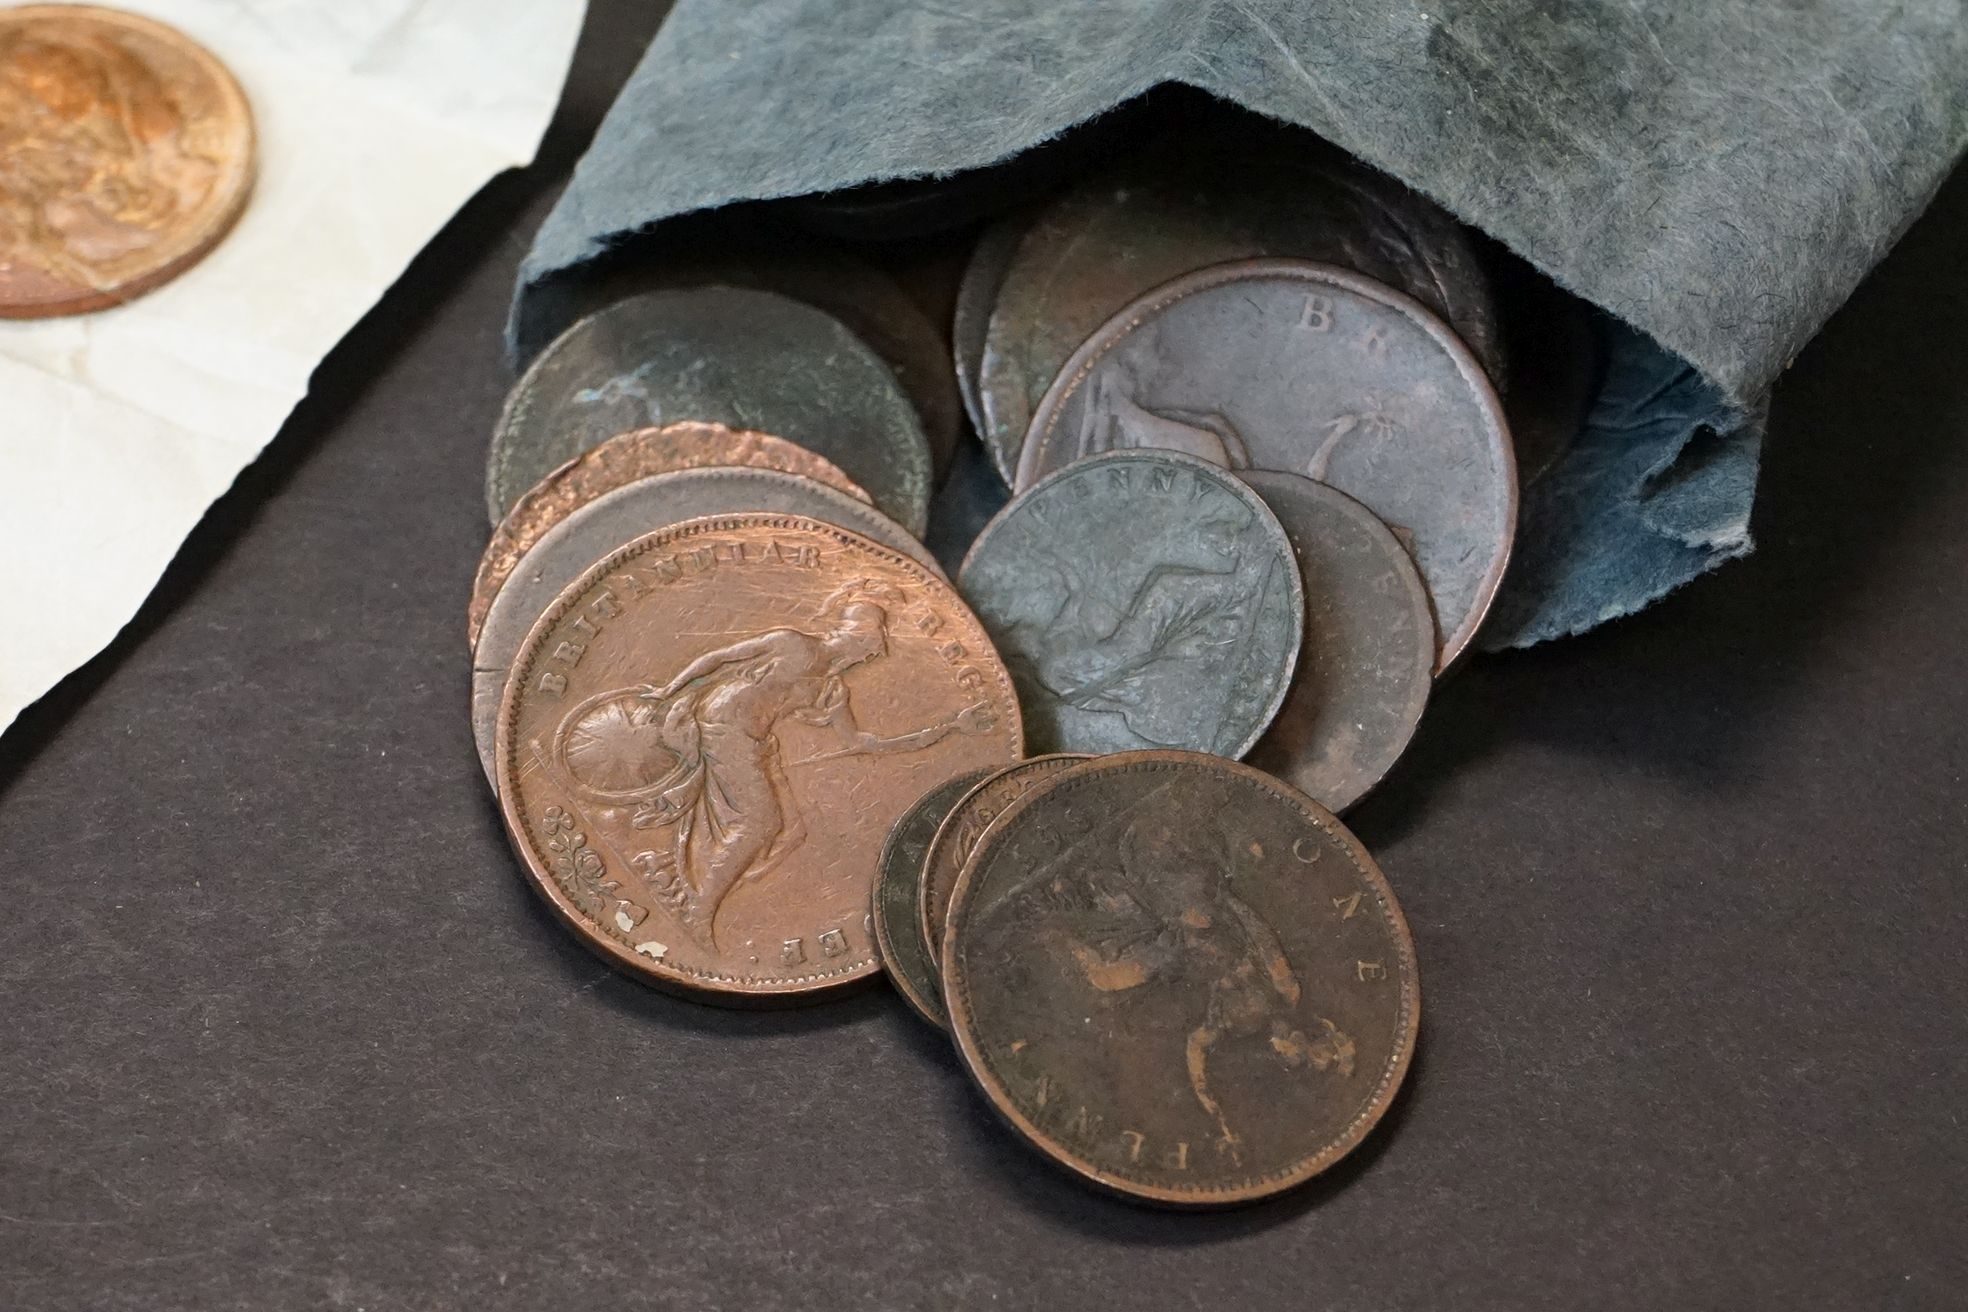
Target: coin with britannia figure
[[126, 154], [1180, 979], [1307, 369], [682, 728], [1142, 599]]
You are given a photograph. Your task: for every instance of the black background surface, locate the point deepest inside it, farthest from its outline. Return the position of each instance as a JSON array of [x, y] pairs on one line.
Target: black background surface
[[280, 1025]]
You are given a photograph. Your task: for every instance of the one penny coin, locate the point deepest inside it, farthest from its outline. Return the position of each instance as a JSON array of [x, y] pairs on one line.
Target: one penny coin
[[708, 736], [956, 838], [898, 898], [1307, 369], [1368, 661], [1198, 202], [1180, 979], [126, 153], [1142, 599], [604, 524], [623, 459], [724, 355]]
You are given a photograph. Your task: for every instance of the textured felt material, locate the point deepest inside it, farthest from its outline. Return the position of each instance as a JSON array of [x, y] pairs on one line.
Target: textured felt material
[[281, 1026], [1717, 175]]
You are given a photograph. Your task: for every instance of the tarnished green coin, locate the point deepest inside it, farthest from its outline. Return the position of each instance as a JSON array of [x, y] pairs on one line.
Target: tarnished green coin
[[724, 355]]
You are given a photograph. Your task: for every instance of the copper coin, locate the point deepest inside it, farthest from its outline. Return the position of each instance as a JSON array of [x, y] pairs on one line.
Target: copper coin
[[708, 736], [1142, 599], [1307, 369], [729, 253], [623, 459], [970, 325], [1180, 979], [126, 153], [605, 523], [1368, 661], [898, 898], [1117, 237], [956, 838], [725, 355]]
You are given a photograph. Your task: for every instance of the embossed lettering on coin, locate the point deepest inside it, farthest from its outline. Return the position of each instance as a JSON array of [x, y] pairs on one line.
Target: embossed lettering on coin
[[1143, 599], [1180, 979], [898, 898], [705, 741], [1307, 369], [126, 152], [957, 837], [623, 459], [608, 521]]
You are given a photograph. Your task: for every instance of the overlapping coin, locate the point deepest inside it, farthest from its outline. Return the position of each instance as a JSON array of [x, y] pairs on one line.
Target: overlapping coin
[[126, 154], [679, 728], [1180, 979], [724, 355], [1307, 369], [1142, 599]]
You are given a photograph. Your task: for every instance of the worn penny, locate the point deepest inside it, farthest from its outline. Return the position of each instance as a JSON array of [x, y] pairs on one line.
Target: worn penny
[[1183, 205], [898, 898], [1142, 599], [604, 524], [126, 153], [623, 459], [1307, 369], [1368, 661], [970, 325], [682, 728], [957, 836], [1180, 979], [727, 355]]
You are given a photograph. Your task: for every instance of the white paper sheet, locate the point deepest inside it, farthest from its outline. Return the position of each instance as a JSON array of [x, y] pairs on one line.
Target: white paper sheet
[[377, 119]]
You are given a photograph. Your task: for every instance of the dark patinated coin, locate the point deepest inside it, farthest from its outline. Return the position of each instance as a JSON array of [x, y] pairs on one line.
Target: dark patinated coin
[[1142, 599], [1369, 657], [1307, 369], [1180, 979], [898, 898], [600, 526], [956, 838], [723, 355], [1192, 204], [970, 324]]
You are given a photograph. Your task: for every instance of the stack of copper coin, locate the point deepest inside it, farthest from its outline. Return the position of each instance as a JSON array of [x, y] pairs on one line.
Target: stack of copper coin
[[753, 745]]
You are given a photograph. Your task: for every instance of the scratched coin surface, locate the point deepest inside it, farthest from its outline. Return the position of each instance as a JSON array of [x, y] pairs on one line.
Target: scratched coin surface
[[956, 838], [1180, 979], [1368, 661], [1177, 209], [126, 153], [623, 459], [898, 898], [1142, 599], [685, 728], [725, 355], [769, 258], [1307, 369], [604, 524]]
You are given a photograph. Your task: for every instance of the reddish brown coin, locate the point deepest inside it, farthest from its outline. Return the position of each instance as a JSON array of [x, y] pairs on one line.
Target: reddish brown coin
[[705, 741], [960, 831], [1180, 979], [624, 459], [126, 153]]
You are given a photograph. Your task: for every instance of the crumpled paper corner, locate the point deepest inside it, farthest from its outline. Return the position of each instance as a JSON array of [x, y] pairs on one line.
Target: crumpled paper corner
[[376, 121]]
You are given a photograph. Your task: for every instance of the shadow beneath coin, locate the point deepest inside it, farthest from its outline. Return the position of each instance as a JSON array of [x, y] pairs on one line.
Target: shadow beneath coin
[[473, 236], [1864, 440], [1032, 1182]]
